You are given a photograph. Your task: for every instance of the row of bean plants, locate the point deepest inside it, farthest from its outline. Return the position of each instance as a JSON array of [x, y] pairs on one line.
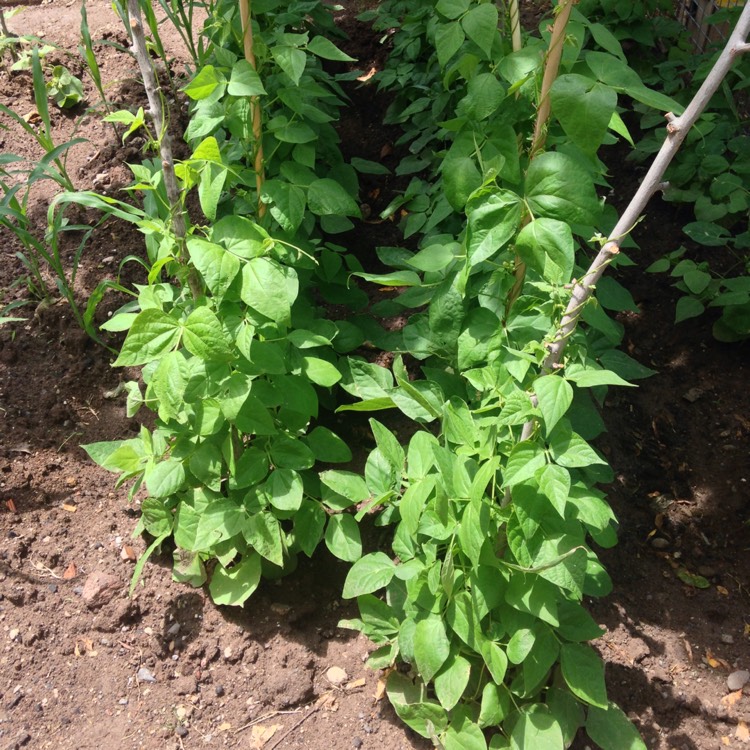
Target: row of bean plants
[[492, 506]]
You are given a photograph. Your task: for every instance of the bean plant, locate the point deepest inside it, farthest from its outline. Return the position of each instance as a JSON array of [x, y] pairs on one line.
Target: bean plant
[[475, 604]]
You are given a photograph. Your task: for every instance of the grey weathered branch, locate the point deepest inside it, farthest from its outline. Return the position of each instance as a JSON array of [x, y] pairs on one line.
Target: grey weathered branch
[[677, 129], [156, 110]]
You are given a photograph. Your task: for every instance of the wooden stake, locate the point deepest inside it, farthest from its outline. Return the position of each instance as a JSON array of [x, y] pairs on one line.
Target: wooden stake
[[255, 110]]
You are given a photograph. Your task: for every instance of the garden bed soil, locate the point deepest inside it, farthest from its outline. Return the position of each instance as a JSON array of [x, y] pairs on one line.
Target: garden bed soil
[[83, 666]]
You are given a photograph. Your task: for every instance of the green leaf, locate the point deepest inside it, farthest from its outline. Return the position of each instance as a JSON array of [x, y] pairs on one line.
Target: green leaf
[[480, 25], [529, 593], [234, 586], [326, 197], [536, 728], [496, 661], [244, 81], [203, 84], [291, 60], [326, 49], [554, 484], [612, 730], [343, 538], [165, 478], [368, 574], [204, 336], [463, 734], [547, 246], [570, 450], [448, 40], [452, 680], [452, 9], [555, 396], [309, 522], [217, 266], [460, 179], [686, 308], [152, 334], [584, 108], [157, 517], [583, 671], [494, 219], [327, 446], [525, 458], [520, 645], [263, 532], [267, 288], [287, 203], [483, 96], [320, 371], [347, 484], [559, 187], [431, 646], [284, 488], [593, 378]]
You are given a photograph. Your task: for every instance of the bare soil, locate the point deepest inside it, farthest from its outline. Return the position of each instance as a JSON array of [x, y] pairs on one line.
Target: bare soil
[[168, 669]]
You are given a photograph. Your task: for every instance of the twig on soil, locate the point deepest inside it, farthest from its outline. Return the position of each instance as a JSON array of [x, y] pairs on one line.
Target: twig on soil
[[264, 718], [320, 703]]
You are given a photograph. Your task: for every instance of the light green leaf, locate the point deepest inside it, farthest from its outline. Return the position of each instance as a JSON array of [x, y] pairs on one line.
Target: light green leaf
[[584, 109], [480, 25], [555, 396], [570, 450], [431, 646], [448, 39], [326, 49], [559, 187], [536, 728], [204, 336], [525, 458], [284, 489], [612, 730], [309, 522], [547, 246], [320, 371], [152, 334], [326, 197], [244, 81], [554, 484], [203, 84], [291, 60], [268, 289], [165, 478], [368, 574], [583, 671], [234, 586], [452, 680], [343, 538]]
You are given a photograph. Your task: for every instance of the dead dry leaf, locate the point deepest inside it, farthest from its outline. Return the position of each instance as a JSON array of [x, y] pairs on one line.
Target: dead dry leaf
[[688, 649], [128, 553], [354, 684], [711, 660], [85, 647], [725, 741], [742, 733], [368, 75], [10, 505], [380, 690], [259, 735], [732, 698], [70, 572], [225, 726], [722, 591], [70, 507]]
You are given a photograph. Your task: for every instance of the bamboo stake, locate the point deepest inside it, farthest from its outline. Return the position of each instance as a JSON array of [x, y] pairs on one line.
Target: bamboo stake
[[255, 110], [551, 70], [515, 24]]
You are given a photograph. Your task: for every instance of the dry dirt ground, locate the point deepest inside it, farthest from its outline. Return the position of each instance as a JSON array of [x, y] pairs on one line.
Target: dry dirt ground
[[168, 669]]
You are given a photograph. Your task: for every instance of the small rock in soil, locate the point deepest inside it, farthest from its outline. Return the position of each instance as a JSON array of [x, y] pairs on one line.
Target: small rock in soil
[[336, 675], [219, 691], [357, 742], [100, 588], [145, 675], [52, 588], [726, 638], [659, 543], [737, 680], [185, 686], [20, 741], [181, 731]]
